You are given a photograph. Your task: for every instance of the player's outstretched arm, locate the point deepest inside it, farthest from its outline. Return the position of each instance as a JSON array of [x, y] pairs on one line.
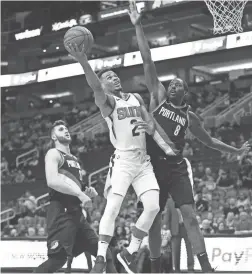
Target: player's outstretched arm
[[196, 128], [58, 181], [102, 100], [154, 86]]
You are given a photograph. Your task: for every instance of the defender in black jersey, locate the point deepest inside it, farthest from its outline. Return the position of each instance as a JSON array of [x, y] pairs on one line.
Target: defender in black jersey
[[69, 233], [173, 173]]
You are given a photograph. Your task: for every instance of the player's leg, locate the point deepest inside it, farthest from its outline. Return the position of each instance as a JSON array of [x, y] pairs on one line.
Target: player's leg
[[110, 266], [176, 247], [87, 241], [106, 229], [118, 181], [53, 263], [150, 202], [195, 236], [147, 189], [155, 239], [155, 242], [62, 231], [189, 252], [182, 180], [140, 230]]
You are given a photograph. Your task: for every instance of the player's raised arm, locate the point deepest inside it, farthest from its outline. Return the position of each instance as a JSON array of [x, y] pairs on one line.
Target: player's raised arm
[[104, 101], [154, 86], [58, 181], [196, 128]]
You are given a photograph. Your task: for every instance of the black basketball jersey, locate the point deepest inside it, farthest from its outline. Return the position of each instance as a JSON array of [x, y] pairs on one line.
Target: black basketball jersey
[[171, 126], [71, 168]]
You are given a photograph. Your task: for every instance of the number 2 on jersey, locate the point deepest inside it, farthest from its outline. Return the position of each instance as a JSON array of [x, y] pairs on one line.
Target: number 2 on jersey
[[177, 130], [135, 128]]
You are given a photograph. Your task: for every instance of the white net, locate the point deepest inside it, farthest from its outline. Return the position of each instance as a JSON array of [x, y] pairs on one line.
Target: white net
[[227, 15]]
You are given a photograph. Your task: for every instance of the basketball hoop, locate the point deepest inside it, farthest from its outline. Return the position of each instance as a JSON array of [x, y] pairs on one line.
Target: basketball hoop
[[227, 15]]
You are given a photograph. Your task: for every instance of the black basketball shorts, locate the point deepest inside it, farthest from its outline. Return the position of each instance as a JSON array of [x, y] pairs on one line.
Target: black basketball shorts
[[175, 179], [69, 230]]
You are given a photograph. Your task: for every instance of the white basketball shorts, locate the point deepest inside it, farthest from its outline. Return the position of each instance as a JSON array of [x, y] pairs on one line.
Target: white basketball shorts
[[130, 168]]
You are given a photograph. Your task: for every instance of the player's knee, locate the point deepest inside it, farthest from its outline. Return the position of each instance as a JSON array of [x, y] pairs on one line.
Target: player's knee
[[152, 208], [189, 214], [150, 200], [112, 208], [187, 210]]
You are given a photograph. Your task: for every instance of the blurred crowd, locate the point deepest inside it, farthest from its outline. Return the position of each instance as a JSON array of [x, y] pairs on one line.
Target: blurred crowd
[[204, 95], [30, 221], [25, 134]]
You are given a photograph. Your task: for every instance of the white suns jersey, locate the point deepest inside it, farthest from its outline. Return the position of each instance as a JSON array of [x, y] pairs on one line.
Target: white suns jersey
[[123, 134]]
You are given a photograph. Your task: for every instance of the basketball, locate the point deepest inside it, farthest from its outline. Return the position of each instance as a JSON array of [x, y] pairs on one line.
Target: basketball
[[80, 36]]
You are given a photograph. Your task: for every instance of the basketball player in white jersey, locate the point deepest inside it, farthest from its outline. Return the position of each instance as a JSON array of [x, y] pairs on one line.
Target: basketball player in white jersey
[[129, 165]]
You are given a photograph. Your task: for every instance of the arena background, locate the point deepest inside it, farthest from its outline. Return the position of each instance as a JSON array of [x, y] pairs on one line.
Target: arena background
[[40, 82]]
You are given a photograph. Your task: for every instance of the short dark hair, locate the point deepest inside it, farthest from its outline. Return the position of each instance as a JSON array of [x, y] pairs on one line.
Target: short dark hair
[[57, 123], [102, 71]]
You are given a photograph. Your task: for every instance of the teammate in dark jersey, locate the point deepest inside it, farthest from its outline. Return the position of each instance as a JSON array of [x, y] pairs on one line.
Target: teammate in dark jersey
[[69, 234], [173, 173]]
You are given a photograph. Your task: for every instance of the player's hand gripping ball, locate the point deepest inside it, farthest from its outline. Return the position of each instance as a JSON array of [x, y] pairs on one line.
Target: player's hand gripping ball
[[80, 36]]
